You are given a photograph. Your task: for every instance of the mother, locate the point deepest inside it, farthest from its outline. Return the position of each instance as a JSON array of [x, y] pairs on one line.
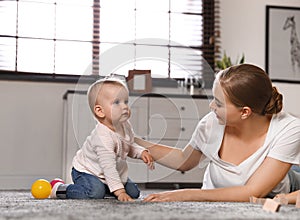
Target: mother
[[249, 143]]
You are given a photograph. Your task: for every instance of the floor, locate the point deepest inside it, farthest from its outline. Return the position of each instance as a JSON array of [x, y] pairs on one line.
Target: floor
[[22, 206]]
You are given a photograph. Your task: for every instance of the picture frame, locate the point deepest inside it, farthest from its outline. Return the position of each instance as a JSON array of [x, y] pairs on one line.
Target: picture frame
[[283, 43], [139, 81]]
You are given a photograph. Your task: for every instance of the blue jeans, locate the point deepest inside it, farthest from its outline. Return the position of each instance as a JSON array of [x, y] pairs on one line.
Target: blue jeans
[[294, 176], [87, 186]]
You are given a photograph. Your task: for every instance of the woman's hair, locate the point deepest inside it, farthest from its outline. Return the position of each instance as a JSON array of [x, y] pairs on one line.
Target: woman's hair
[[249, 85]]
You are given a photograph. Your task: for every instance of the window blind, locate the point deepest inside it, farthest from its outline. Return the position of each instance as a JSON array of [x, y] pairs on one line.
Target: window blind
[[172, 38]]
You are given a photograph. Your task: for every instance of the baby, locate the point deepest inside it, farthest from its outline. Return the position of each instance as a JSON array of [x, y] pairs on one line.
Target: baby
[[100, 167]]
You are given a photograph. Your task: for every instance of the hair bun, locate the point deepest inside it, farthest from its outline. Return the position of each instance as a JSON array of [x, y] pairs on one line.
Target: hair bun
[[275, 103]]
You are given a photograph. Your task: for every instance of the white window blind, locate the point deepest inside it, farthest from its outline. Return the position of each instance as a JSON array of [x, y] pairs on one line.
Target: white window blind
[[75, 37]]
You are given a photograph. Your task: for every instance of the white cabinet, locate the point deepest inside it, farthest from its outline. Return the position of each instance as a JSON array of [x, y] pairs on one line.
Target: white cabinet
[[78, 123], [166, 120], [171, 128], [139, 115], [172, 107], [172, 122], [137, 169]]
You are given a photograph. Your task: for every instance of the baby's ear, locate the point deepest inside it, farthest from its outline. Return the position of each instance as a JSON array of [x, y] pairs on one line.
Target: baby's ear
[[99, 112], [129, 112]]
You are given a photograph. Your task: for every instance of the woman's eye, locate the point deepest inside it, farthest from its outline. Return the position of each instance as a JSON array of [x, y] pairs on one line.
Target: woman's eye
[[218, 105]]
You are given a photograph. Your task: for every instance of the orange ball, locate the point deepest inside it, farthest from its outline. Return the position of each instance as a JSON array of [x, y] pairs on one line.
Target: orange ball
[[41, 189]]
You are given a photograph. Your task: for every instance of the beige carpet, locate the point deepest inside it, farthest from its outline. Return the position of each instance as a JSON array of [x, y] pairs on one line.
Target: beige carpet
[[21, 205]]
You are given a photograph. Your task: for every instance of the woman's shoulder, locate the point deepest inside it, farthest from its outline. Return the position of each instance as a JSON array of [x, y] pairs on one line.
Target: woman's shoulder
[[286, 119], [285, 124], [284, 138]]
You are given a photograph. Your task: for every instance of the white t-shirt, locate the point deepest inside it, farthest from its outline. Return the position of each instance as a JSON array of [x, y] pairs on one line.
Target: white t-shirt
[[282, 143]]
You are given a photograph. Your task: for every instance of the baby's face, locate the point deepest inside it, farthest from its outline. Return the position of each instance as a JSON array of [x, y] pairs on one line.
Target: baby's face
[[115, 103]]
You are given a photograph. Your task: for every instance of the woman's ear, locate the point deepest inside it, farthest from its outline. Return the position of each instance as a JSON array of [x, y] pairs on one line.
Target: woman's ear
[[99, 111], [246, 112]]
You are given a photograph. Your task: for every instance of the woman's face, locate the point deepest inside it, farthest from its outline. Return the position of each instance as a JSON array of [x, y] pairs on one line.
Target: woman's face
[[226, 112]]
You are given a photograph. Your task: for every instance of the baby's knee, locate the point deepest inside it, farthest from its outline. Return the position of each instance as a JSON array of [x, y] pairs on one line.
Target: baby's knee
[[134, 193], [132, 189], [96, 192]]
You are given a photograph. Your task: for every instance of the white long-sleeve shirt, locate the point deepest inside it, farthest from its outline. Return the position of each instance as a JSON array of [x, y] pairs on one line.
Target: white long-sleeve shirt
[[282, 143], [104, 154]]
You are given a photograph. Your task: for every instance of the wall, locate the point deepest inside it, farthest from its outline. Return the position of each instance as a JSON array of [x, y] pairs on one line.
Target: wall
[[243, 27], [31, 132], [243, 24]]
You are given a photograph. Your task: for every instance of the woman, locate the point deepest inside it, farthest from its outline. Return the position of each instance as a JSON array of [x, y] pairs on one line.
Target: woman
[[250, 145]]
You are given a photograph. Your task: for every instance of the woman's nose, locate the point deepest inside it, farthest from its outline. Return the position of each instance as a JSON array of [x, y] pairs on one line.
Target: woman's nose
[[212, 105]]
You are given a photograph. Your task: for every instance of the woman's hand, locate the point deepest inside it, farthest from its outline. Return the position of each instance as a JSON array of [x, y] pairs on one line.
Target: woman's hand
[[168, 196]]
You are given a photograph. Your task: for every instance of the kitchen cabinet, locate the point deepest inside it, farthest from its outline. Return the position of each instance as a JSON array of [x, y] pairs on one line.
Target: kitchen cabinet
[[172, 122]]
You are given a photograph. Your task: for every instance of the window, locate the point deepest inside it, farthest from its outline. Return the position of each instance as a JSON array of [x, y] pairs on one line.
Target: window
[[74, 37], [46, 36]]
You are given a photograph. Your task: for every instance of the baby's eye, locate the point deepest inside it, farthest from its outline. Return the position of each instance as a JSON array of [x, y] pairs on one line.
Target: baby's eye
[[126, 102], [117, 102]]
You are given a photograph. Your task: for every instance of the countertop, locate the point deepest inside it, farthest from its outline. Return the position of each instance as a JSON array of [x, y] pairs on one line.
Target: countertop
[[161, 92], [163, 88]]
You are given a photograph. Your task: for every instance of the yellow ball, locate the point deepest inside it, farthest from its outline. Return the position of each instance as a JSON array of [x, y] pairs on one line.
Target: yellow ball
[[41, 189]]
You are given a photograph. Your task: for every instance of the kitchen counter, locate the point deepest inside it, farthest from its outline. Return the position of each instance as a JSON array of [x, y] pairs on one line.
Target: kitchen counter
[[164, 87], [161, 92]]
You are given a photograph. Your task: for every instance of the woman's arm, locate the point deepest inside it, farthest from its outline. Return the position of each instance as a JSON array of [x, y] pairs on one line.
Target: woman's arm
[[266, 177], [175, 158]]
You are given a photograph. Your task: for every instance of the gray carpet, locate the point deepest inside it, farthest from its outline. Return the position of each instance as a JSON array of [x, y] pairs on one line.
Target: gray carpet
[[21, 205]]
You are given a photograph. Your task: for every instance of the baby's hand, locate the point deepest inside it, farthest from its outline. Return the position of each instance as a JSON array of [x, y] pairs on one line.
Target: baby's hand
[[122, 195], [147, 158]]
